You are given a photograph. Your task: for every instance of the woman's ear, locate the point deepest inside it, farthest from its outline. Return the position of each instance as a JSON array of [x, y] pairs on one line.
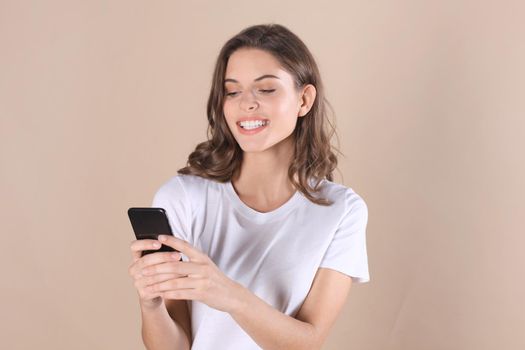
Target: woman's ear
[[306, 100]]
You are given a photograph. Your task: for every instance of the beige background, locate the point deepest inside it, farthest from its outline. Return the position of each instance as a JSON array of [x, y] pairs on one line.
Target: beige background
[[102, 101]]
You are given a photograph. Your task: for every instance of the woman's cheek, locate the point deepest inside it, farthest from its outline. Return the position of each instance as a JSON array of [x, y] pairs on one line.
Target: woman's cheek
[[226, 111]]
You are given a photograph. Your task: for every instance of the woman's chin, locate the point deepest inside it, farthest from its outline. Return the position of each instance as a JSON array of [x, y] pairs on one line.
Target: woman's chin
[[252, 148]]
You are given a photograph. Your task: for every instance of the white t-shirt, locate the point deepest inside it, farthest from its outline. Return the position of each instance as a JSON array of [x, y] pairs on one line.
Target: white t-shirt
[[274, 254]]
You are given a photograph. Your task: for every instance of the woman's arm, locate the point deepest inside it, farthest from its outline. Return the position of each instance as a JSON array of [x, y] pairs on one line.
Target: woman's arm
[[160, 331], [271, 329], [164, 323], [267, 326]]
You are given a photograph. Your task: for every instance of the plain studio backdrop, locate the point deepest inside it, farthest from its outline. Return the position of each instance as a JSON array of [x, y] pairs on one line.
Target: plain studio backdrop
[[102, 101]]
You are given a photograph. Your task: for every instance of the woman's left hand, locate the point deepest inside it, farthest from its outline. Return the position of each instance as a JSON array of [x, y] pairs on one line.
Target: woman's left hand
[[203, 281]]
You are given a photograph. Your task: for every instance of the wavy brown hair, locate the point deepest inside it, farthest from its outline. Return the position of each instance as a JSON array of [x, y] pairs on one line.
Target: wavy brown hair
[[220, 157]]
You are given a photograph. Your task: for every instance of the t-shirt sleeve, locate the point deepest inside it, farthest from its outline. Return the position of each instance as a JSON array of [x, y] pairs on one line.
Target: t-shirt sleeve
[[173, 198], [347, 250]]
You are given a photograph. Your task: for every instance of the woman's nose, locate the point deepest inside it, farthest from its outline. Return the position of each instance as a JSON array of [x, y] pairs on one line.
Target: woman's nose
[[248, 102]]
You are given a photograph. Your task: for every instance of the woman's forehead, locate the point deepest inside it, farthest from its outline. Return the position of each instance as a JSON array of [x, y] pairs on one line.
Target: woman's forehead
[[254, 56], [252, 65]]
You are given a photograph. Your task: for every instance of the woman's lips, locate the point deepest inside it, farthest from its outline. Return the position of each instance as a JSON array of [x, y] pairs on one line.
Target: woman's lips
[[251, 131], [253, 118]]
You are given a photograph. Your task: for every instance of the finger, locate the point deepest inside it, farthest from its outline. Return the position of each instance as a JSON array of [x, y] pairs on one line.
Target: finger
[[182, 246], [139, 245], [175, 284], [161, 277], [181, 294], [159, 258], [136, 269], [180, 267]]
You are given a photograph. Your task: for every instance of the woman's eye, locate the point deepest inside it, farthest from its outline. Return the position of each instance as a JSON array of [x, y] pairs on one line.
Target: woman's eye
[[262, 90]]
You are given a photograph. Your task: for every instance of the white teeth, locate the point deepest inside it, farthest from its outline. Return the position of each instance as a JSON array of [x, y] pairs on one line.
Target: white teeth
[[252, 124]]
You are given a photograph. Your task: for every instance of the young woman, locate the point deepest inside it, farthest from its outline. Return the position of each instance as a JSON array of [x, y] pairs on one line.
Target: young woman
[[268, 244]]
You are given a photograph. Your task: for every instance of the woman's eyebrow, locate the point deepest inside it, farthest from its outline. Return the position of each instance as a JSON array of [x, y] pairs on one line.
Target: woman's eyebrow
[[260, 78]]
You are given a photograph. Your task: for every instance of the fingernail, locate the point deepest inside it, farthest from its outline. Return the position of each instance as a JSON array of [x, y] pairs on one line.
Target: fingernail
[[156, 245], [175, 256], [162, 238]]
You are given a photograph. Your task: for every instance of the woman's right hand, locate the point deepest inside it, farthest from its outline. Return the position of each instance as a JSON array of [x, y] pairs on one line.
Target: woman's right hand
[[141, 281]]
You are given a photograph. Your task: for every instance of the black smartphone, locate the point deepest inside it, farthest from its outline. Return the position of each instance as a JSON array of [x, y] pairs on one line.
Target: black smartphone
[[149, 223]]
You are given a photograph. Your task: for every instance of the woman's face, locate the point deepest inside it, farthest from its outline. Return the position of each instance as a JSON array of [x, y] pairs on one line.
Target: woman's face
[[261, 105]]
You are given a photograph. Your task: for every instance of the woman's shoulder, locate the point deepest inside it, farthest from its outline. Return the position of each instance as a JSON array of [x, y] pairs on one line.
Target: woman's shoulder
[[183, 190], [342, 194], [191, 185]]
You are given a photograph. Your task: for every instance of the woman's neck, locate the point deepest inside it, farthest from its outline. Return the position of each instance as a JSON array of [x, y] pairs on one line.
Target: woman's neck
[[263, 176]]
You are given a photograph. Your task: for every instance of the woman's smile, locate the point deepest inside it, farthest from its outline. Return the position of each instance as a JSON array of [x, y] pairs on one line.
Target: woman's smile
[[251, 128]]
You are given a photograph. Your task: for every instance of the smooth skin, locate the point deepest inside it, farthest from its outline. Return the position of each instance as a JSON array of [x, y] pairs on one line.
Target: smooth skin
[[165, 322], [262, 183]]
